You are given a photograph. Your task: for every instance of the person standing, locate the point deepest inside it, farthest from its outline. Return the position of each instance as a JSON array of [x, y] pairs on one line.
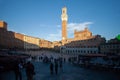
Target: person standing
[[29, 70]]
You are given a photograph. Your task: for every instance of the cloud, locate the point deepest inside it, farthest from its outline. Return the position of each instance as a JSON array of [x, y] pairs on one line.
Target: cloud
[[70, 30], [54, 36], [76, 26]]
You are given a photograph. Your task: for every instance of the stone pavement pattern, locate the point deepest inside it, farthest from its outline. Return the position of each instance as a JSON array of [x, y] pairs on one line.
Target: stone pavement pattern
[[70, 72]]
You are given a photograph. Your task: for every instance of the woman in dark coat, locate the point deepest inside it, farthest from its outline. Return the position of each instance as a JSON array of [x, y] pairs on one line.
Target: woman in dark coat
[[30, 71]]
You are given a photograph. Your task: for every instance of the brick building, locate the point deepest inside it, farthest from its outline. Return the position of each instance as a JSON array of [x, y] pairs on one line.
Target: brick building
[[31, 42], [45, 43], [82, 35], [112, 47], [6, 37], [13, 40]]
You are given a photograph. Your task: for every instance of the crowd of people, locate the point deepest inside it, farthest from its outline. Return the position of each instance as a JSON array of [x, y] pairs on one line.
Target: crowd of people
[[29, 68], [54, 60], [55, 64]]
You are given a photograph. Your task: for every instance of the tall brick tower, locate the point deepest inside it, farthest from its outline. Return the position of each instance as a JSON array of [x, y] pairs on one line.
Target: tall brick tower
[[64, 18]]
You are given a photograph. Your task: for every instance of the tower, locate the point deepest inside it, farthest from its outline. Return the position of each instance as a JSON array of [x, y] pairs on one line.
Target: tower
[[3, 25], [64, 18]]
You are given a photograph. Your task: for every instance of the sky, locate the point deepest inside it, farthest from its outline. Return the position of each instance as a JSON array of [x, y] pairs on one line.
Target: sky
[[42, 18]]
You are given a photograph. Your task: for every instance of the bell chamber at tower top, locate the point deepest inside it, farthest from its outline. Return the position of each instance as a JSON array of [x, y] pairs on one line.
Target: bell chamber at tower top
[[64, 16]]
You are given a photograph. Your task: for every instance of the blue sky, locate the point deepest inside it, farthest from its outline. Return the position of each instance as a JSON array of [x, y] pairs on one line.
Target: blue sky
[[42, 18]]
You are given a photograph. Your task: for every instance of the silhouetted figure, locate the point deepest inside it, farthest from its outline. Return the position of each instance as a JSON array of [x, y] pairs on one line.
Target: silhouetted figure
[[64, 59], [61, 64], [51, 68], [56, 67], [18, 75], [29, 70]]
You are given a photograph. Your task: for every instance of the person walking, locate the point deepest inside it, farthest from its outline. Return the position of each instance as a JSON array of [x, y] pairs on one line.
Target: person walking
[[17, 68], [61, 64], [56, 66], [51, 68], [29, 70]]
